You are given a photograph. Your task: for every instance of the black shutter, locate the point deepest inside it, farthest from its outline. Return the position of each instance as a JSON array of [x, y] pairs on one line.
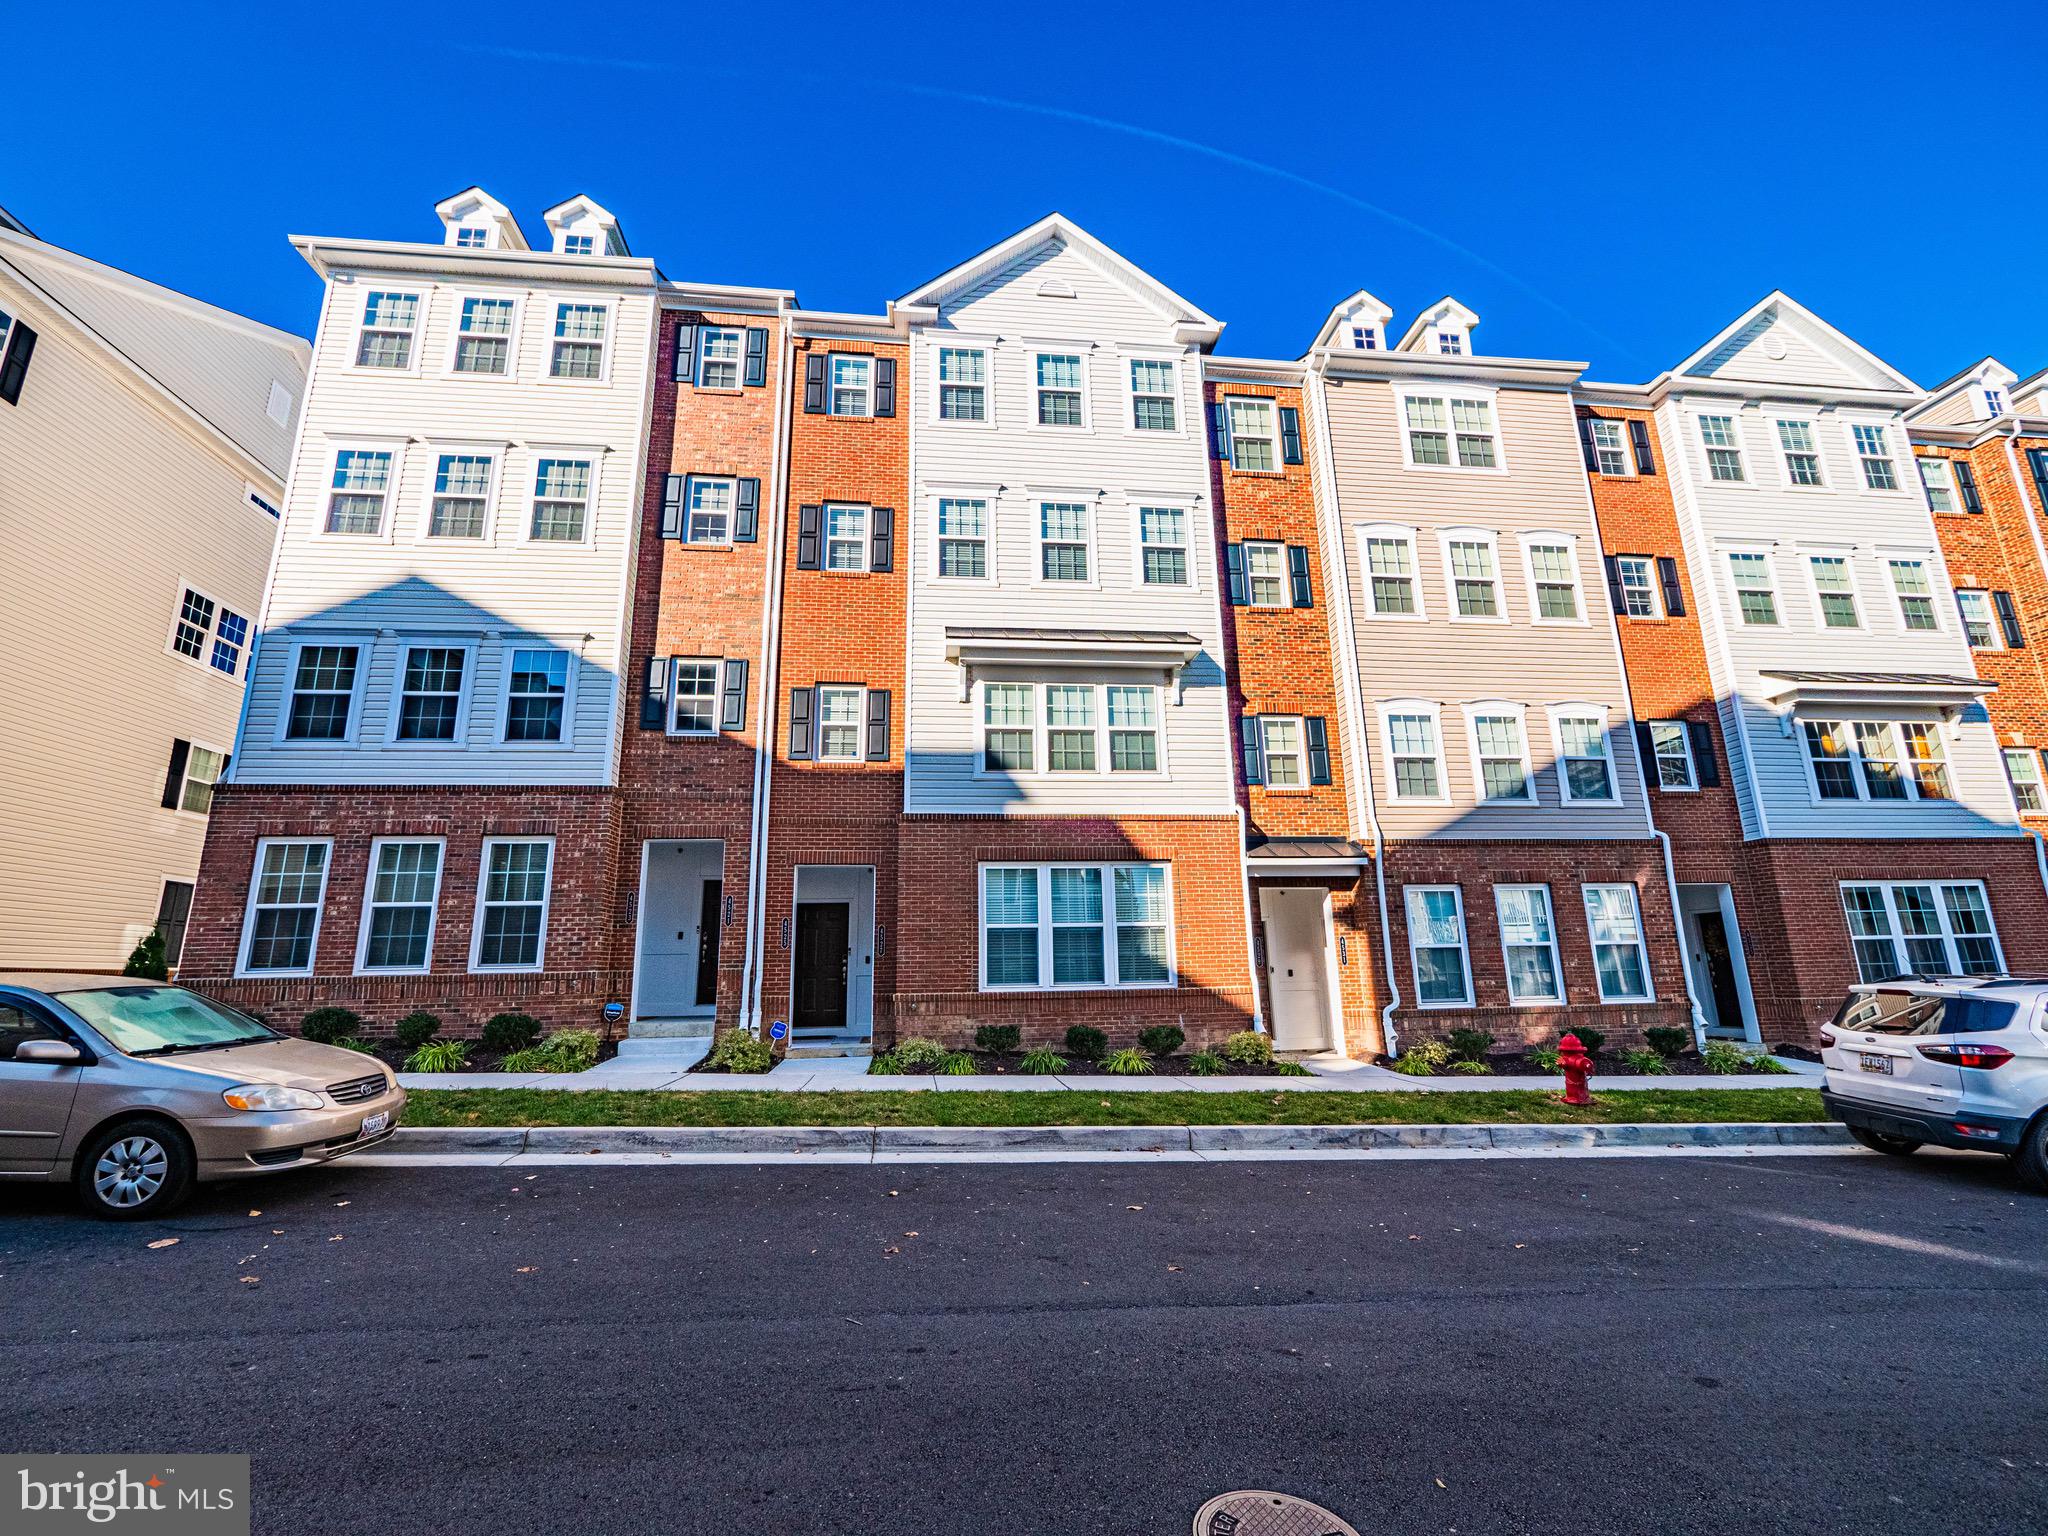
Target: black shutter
[[800, 724], [882, 539], [1586, 444], [1646, 753], [2037, 460], [672, 506], [686, 353], [654, 695], [1219, 429], [1674, 595], [1705, 767], [746, 511], [1254, 749], [885, 386], [1233, 568], [878, 725], [1318, 735], [757, 356], [174, 781], [732, 702], [1614, 594], [2009, 621], [1966, 482], [1297, 575], [1290, 435], [1639, 439], [814, 384], [808, 521], [21, 346]]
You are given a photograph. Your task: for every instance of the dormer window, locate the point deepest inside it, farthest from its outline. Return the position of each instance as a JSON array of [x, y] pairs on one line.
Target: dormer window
[[1364, 338], [1994, 402], [472, 237], [1450, 343], [579, 245]]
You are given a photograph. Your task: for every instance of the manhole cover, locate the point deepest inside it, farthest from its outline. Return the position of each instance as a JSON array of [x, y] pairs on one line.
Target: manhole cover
[[1256, 1512]]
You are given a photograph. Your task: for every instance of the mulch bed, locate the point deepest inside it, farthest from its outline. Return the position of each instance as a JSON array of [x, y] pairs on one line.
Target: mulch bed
[[1606, 1064], [480, 1060], [1009, 1063]]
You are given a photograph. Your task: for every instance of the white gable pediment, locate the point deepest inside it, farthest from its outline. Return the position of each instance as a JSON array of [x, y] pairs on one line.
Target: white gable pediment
[[1780, 341]]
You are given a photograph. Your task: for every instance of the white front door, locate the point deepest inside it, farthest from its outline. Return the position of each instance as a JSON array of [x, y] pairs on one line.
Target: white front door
[[1297, 925]]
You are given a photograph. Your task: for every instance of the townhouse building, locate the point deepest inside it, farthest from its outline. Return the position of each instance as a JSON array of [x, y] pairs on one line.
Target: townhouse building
[[1783, 603], [143, 446]]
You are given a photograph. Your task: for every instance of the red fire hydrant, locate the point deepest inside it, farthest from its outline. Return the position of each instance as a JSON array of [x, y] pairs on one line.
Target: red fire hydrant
[[1573, 1061]]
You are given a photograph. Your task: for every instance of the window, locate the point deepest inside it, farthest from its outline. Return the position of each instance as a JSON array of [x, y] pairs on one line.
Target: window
[[1436, 945], [1058, 387], [536, 694], [2023, 768], [720, 351], [1926, 762], [1391, 590], [1076, 925], [462, 489], [1086, 727], [430, 693], [1450, 344], [1802, 458], [362, 482], [1069, 728], [841, 711], [229, 636], [1163, 547], [851, 378], [199, 618], [1133, 729], [1827, 749], [1585, 762], [472, 238], [1638, 582], [1834, 591], [579, 245], [1609, 456], [561, 500], [323, 693], [1475, 579], [284, 906], [1063, 538], [389, 321], [1980, 628], [1756, 589], [963, 538], [398, 919], [963, 384], [1007, 732], [1937, 478], [1724, 450], [1364, 338], [1875, 454], [579, 341], [1528, 944], [1500, 754], [196, 776], [1994, 402], [1265, 575], [710, 511], [1876, 759], [1280, 738], [1253, 436], [483, 336], [1154, 388], [512, 905], [1671, 747], [846, 538], [1927, 930], [1620, 962], [1915, 594], [1415, 752], [695, 687], [1439, 426], [1553, 579]]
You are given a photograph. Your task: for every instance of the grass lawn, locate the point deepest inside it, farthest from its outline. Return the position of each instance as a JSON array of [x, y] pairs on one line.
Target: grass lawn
[[528, 1106]]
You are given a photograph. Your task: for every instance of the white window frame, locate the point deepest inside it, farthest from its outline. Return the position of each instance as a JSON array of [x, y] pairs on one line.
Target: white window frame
[[371, 904], [1450, 396], [1769, 555], [1737, 445], [1040, 500], [210, 639], [415, 333], [1779, 420], [1659, 757], [1888, 894], [951, 342], [1640, 942], [987, 496], [579, 245], [1387, 709], [436, 451], [1474, 712], [1112, 980], [1554, 999], [1546, 538], [1810, 553], [1129, 360], [1366, 533], [1083, 352], [406, 645], [1271, 409], [1034, 724], [543, 453], [394, 478], [187, 779], [1301, 785], [1652, 584], [1486, 536], [1903, 761], [1106, 748], [1584, 710], [861, 544], [567, 740], [2032, 756], [1620, 447], [1041, 731], [1139, 504], [1415, 949], [860, 723], [250, 906], [1365, 338], [1930, 568], [1994, 401], [1942, 484], [675, 697], [457, 335], [483, 885], [691, 483], [1889, 457], [460, 237], [1280, 574], [1992, 627], [556, 304], [705, 361], [866, 386], [365, 649]]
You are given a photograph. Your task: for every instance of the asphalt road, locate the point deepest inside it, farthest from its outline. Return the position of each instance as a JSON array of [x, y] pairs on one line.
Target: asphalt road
[[1643, 1346]]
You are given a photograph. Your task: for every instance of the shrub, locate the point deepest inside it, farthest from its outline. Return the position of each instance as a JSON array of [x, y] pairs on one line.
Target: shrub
[[1545, 1056], [1423, 1059], [1764, 1062], [1205, 1064], [1469, 1044], [1086, 1042], [1296, 1069], [509, 1032], [1592, 1039], [957, 1064], [1043, 1061], [1247, 1048], [1648, 1062], [353, 1044], [737, 1051], [1724, 1057], [1667, 1041], [1469, 1068], [997, 1039], [439, 1056], [147, 960], [327, 1025], [416, 1029], [918, 1054], [566, 1050], [884, 1065], [1128, 1062], [1161, 1039]]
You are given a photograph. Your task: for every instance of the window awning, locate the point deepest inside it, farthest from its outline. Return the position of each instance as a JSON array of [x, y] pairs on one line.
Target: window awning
[[1936, 690], [1165, 651], [1306, 856]]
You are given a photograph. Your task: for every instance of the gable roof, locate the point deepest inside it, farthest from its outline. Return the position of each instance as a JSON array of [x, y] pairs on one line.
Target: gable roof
[[1429, 313], [216, 365], [1357, 301], [1057, 228], [583, 202], [496, 211], [1776, 305]]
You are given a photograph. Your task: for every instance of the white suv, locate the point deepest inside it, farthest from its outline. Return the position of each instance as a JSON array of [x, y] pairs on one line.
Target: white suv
[[1960, 1062]]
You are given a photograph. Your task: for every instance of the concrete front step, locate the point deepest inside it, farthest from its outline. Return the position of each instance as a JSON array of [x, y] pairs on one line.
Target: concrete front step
[[671, 1029], [828, 1050]]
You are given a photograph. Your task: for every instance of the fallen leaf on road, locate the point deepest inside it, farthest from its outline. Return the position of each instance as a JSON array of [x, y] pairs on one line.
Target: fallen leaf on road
[[910, 1234], [277, 1231], [341, 1202], [1173, 1269], [1134, 1207], [255, 1213], [334, 1239], [1414, 1237], [1440, 1483], [251, 1280], [528, 1270], [892, 1194], [887, 1252], [165, 1242]]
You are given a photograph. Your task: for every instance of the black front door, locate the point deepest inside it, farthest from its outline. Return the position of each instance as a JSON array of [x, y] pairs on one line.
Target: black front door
[[820, 960], [707, 942], [1720, 971]]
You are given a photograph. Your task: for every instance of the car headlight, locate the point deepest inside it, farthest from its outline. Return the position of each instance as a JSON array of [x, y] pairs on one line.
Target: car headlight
[[270, 1096]]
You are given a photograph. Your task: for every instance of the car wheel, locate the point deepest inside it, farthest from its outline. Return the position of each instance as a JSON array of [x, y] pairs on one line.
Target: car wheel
[[134, 1170], [1891, 1146], [2031, 1161]]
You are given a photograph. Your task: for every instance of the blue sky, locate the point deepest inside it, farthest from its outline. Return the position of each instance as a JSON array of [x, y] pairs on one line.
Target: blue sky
[[1609, 184]]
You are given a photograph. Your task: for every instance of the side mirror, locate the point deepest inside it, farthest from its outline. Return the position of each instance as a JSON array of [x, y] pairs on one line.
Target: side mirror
[[51, 1053]]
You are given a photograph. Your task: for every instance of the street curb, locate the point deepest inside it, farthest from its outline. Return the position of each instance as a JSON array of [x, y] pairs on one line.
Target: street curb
[[842, 1139]]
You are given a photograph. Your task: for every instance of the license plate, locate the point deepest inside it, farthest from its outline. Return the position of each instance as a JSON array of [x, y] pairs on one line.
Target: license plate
[[377, 1122], [1882, 1065]]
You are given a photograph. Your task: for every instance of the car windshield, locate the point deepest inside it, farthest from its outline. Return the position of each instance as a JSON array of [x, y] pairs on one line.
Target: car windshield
[[155, 1021]]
